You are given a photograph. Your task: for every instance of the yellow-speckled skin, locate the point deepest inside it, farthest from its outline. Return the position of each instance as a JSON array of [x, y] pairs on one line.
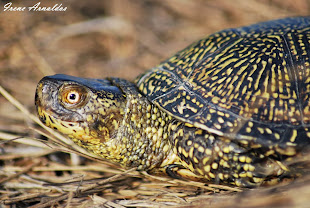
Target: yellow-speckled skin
[[231, 108]]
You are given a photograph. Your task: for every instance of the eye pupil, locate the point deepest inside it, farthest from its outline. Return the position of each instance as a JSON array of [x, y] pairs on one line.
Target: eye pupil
[[72, 96]]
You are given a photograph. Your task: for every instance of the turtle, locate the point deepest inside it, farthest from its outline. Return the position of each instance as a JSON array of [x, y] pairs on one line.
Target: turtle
[[231, 108]]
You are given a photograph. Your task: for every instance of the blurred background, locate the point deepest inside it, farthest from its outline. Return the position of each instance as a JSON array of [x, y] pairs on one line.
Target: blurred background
[[120, 38]]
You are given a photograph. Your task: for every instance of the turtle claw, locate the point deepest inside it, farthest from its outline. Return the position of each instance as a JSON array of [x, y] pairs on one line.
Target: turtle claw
[[173, 169]]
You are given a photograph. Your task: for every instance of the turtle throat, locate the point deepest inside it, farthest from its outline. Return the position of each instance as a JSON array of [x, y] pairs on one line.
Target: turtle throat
[[141, 140]]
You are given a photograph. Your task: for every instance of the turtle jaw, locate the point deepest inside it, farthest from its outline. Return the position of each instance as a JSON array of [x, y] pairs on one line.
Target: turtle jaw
[[65, 127]]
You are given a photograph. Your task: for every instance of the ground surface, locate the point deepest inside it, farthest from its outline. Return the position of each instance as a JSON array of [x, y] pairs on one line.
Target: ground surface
[[111, 38]]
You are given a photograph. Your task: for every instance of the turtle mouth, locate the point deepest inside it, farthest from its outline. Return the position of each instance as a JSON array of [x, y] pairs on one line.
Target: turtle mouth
[[75, 128], [46, 117]]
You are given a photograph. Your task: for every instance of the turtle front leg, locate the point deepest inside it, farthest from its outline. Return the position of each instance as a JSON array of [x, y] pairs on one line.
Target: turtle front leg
[[219, 159]]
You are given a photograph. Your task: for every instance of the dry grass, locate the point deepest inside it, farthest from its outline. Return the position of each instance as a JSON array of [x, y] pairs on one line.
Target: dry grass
[[109, 38]]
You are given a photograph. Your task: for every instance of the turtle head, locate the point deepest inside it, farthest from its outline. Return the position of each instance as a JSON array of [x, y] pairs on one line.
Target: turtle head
[[89, 111]]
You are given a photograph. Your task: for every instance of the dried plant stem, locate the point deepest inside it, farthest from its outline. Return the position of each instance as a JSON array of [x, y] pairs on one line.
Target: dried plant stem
[[28, 168], [64, 196]]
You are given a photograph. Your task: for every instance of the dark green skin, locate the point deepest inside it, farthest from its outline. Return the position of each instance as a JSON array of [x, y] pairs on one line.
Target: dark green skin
[[232, 108]]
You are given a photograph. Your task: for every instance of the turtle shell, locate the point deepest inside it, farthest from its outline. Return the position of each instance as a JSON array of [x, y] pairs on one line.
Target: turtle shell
[[250, 84]]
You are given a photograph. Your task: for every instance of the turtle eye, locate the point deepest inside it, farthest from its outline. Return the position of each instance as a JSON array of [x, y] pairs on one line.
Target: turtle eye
[[73, 96]]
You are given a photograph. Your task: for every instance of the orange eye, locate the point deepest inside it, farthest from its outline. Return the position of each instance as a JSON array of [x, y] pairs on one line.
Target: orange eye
[[73, 96]]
